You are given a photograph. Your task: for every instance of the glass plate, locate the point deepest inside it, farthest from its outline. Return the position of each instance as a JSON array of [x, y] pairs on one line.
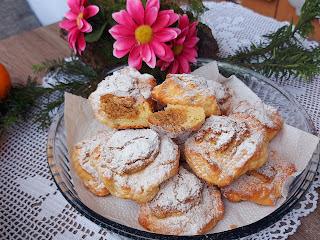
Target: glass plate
[[268, 91]]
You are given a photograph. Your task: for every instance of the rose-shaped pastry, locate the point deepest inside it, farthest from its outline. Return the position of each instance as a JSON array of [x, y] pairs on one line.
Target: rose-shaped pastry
[[133, 163], [183, 206], [262, 186], [226, 147], [267, 115], [123, 100]]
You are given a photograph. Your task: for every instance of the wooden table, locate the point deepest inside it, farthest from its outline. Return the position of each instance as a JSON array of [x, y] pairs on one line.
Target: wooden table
[[19, 53]]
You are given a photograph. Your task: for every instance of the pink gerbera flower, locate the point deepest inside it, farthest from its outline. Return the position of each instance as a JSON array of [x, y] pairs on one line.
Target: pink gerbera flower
[[184, 48], [143, 32], [76, 24]]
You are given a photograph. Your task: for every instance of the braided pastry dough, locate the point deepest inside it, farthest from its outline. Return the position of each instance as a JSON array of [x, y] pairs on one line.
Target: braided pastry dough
[[85, 159], [225, 148], [133, 163], [123, 99], [183, 206], [262, 186], [186, 89]]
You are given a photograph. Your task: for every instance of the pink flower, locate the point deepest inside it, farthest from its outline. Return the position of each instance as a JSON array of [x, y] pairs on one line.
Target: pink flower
[[184, 48], [143, 32], [76, 24]]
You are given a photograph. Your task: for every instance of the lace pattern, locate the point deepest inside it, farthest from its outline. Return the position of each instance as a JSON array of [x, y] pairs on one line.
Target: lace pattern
[[31, 207]]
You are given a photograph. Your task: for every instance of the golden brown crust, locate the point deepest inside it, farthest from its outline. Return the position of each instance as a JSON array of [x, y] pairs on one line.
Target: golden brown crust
[[137, 162], [123, 100], [182, 89], [184, 206], [225, 148], [177, 120], [88, 180], [268, 116], [262, 186]]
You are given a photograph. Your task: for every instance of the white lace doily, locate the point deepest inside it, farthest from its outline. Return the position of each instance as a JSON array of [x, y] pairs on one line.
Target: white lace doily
[[31, 207]]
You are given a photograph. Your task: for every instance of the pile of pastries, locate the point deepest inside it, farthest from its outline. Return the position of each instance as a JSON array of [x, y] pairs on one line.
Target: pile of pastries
[[179, 148]]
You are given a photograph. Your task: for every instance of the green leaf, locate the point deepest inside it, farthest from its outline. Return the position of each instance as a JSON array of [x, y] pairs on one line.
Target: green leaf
[[96, 35]]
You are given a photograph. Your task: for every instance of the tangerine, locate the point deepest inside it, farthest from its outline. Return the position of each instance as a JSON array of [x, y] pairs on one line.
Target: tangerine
[[5, 82]]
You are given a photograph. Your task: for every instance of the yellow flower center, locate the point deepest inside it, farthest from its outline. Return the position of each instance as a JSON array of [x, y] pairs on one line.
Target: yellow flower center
[[177, 49], [143, 34], [79, 18]]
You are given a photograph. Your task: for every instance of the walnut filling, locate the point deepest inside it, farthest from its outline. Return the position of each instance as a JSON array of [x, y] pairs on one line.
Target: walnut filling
[[170, 119], [119, 107]]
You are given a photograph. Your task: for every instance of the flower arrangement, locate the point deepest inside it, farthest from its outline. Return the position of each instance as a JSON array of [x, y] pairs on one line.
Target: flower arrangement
[[157, 34]]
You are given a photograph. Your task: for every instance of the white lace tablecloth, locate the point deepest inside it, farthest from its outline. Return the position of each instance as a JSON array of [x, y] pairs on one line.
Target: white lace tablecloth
[[31, 207]]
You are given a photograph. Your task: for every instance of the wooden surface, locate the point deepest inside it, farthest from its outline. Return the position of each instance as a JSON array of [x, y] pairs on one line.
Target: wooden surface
[[267, 8], [279, 9], [20, 52]]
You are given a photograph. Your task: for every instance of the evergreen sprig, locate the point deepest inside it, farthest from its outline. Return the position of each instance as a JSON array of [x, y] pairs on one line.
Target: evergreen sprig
[[282, 53]]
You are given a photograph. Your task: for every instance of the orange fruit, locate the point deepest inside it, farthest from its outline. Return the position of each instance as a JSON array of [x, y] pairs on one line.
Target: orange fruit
[[5, 82]]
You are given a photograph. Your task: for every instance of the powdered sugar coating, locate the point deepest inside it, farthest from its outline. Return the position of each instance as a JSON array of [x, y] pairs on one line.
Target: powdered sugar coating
[[191, 219], [124, 83], [178, 194], [88, 150], [263, 185], [227, 143], [266, 114], [153, 174], [130, 150], [192, 85]]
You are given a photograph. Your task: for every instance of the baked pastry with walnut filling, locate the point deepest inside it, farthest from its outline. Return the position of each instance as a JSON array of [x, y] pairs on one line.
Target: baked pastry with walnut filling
[[123, 100]]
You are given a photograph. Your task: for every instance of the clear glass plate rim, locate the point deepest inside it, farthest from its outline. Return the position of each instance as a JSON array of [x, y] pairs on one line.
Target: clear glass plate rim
[[139, 234]]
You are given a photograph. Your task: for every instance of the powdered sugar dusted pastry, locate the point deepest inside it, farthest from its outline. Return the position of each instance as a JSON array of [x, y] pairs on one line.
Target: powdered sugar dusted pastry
[[177, 121], [222, 93], [186, 89], [123, 99], [267, 115], [183, 206], [262, 186], [225, 148], [135, 162], [85, 159]]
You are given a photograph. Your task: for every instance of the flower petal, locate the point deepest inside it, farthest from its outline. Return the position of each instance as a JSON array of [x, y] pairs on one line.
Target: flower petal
[[81, 42], [71, 16], [67, 25], [135, 59], [161, 21], [90, 11], [165, 34], [151, 15], [183, 21], [145, 52], [175, 67], [158, 48], [190, 43], [86, 27], [74, 5], [152, 62], [119, 31], [72, 38], [168, 56], [136, 11], [124, 18], [120, 53], [184, 65], [153, 3], [124, 43]]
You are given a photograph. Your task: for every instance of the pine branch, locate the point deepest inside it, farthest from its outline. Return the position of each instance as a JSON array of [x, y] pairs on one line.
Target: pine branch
[[282, 53]]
